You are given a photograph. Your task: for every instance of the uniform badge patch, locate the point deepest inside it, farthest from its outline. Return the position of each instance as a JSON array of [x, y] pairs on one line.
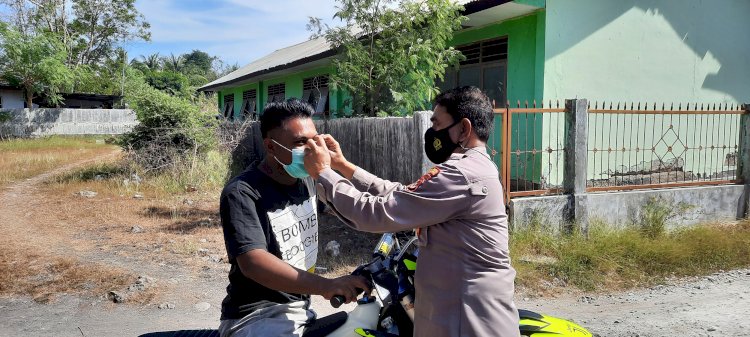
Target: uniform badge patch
[[433, 172]]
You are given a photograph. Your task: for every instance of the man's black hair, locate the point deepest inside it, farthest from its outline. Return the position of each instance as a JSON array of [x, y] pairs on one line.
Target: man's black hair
[[471, 103], [276, 113]]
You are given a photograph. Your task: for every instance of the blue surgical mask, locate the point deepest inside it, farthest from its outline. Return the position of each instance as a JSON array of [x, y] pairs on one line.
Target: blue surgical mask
[[297, 168]]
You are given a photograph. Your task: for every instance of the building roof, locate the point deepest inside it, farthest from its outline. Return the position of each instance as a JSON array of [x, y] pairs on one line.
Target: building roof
[[309, 51]]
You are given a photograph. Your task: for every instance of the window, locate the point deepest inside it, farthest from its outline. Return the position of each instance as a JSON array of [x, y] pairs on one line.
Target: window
[[228, 107], [315, 92], [276, 92], [1, 101], [248, 104], [485, 67]]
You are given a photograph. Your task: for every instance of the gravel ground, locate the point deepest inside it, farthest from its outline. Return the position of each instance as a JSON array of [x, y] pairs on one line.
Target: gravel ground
[[714, 305], [707, 306]]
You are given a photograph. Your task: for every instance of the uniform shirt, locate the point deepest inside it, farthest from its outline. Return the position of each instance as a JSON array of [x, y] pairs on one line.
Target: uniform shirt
[[464, 280], [259, 213]]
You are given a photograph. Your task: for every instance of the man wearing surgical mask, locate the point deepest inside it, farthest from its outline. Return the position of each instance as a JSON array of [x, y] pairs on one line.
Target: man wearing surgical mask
[[464, 280], [270, 224]]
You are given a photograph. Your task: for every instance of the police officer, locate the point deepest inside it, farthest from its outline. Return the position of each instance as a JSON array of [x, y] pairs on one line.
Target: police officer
[[464, 283]]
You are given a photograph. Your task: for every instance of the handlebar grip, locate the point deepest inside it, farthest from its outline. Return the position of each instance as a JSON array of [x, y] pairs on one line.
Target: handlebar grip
[[337, 301]]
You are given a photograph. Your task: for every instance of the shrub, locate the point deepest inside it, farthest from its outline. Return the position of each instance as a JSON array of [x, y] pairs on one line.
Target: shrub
[[171, 129]]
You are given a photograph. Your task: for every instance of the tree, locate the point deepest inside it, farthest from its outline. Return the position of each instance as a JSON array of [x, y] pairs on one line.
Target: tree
[[34, 63], [199, 62], [391, 52], [173, 63], [102, 25], [152, 62], [89, 30]]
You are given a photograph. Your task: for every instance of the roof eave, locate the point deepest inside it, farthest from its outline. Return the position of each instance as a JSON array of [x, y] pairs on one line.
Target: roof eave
[[316, 57]]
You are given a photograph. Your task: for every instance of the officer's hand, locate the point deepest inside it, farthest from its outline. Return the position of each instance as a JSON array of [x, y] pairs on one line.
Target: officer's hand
[[338, 161], [348, 286], [317, 156]]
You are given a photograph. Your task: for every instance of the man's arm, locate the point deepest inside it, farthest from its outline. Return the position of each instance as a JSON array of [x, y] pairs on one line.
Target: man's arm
[[360, 178], [271, 272], [440, 196]]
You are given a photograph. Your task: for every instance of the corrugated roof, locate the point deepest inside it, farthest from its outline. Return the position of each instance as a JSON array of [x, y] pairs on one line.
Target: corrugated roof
[[301, 53], [276, 59]]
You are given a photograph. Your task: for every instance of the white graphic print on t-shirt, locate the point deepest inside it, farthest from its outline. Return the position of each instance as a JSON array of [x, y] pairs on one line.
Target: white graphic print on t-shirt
[[296, 230]]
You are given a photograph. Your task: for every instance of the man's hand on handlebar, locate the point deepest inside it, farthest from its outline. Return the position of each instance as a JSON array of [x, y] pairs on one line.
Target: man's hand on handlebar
[[348, 286]]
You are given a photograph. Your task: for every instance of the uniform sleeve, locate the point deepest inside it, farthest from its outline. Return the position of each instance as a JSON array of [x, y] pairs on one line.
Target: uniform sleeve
[[242, 228], [430, 201], [368, 182]]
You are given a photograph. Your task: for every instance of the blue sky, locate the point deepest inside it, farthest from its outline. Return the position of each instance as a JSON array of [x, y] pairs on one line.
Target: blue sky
[[234, 30]]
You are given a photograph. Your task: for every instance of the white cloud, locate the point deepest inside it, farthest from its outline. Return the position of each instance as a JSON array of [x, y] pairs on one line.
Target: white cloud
[[235, 30]]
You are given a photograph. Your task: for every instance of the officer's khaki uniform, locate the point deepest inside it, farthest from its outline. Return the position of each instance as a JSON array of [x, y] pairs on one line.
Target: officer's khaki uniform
[[464, 280]]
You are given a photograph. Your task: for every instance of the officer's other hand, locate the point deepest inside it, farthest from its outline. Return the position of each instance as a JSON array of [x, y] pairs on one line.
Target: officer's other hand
[[317, 156], [338, 161], [348, 286]]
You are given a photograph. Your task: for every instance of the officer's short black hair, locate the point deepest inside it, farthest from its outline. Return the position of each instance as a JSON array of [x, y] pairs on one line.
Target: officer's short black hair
[[276, 113], [471, 103]]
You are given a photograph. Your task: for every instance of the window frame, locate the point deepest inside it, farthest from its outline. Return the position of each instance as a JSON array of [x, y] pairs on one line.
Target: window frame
[[316, 92], [228, 110], [250, 104], [454, 73], [278, 95]]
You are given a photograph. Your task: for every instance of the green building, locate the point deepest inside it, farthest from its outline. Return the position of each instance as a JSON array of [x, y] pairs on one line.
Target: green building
[[629, 50], [632, 51]]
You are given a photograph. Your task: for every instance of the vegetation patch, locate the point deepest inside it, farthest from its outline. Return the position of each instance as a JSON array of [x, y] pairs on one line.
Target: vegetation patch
[[25, 158], [612, 259]]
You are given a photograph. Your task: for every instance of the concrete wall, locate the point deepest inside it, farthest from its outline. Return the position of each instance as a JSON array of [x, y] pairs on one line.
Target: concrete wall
[[11, 99], [648, 50], [692, 206], [44, 122]]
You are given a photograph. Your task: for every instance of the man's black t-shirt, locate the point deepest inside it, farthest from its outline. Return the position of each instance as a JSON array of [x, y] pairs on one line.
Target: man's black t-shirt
[[259, 213]]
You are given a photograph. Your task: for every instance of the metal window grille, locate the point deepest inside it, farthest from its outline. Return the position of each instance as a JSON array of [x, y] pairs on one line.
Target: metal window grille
[[229, 106], [249, 103], [276, 92], [315, 92], [485, 51]]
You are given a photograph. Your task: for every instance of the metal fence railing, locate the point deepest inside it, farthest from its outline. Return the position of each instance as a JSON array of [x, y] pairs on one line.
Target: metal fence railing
[[533, 149], [634, 146]]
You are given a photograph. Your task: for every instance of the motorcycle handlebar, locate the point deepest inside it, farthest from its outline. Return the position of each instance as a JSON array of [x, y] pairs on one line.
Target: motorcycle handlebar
[[338, 300]]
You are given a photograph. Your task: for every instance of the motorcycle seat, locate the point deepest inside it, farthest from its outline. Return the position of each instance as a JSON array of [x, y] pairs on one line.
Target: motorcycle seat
[[322, 327]]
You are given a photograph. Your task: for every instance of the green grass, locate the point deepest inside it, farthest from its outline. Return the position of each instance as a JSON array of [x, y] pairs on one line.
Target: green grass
[[622, 258], [24, 158]]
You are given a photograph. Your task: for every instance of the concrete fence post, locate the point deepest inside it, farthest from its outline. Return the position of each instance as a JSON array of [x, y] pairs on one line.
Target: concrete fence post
[[743, 169], [576, 159], [421, 124]]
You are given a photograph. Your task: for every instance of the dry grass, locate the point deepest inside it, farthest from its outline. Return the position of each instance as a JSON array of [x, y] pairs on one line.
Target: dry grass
[[610, 259], [24, 158], [44, 276]]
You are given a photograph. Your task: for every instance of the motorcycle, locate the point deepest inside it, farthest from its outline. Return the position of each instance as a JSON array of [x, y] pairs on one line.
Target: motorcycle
[[390, 312]]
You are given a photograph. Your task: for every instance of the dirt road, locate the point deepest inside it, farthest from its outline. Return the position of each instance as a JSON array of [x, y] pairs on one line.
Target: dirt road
[[707, 306]]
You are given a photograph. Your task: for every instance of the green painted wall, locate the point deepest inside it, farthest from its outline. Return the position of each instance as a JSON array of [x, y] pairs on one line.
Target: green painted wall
[[525, 83], [649, 51], [293, 88], [525, 74]]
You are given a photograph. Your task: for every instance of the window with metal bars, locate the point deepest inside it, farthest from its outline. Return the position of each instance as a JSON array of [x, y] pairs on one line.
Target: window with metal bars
[[228, 107], [485, 67], [276, 92], [249, 104], [315, 92]]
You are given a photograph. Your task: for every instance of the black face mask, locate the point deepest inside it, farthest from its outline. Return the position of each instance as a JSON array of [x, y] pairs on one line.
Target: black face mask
[[438, 144]]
